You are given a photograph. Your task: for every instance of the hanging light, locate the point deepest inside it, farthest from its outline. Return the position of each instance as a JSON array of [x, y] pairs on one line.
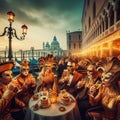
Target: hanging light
[[11, 16], [24, 29]]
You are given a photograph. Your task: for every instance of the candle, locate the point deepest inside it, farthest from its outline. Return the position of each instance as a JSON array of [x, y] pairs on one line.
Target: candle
[[53, 97]]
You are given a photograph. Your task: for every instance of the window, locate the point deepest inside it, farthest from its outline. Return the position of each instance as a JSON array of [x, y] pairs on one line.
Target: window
[[69, 46], [85, 29], [69, 37], [102, 26], [118, 10], [89, 22], [74, 45], [106, 22], [94, 10], [88, 2], [100, 29], [111, 16], [79, 37]]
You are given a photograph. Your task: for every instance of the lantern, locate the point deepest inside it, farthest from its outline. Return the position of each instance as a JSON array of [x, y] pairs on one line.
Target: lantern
[[11, 16]]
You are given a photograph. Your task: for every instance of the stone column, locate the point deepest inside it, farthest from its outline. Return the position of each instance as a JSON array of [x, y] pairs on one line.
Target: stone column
[[110, 48]]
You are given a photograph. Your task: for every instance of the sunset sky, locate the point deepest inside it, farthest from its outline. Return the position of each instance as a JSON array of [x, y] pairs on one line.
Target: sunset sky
[[44, 18]]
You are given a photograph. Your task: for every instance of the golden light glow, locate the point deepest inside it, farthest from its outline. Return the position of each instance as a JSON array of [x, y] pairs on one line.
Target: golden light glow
[[24, 29], [100, 50], [108, 46], [11, 16]]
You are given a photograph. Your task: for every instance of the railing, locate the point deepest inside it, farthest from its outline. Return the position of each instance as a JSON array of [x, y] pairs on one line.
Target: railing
[[110, 30]]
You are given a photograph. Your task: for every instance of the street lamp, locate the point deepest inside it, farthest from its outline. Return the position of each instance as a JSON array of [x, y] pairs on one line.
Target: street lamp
[[11, 32]]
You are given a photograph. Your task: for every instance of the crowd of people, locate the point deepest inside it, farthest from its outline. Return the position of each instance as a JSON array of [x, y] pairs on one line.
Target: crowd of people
[[95, 84]]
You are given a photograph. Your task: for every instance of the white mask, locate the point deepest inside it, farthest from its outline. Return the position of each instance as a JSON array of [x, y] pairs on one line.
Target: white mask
[[25, 70], [7, 76]]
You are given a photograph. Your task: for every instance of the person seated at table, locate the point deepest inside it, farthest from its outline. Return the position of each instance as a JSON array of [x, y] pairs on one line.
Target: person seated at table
[[5, 79], [5, 75], [108, 96], [25, 84], [69, 78], [109, 93], [46, 77], [60, 68], [92, 78]]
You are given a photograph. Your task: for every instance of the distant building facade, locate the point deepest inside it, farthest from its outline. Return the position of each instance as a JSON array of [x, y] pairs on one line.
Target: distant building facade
[[53, 48], [101, 28], [74, 41]]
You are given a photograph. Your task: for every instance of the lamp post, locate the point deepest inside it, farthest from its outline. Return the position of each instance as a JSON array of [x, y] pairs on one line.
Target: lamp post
[[11, 32]]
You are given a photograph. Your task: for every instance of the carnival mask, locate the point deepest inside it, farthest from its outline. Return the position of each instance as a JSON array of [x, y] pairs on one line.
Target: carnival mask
[[106, 78], [25, 70], [90, 70], [7, 76]]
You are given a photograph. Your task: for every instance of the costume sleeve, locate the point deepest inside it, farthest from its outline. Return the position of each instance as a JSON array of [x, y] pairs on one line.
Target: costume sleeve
[[118, 109], [31, 84], [64, 77], [95, 99], [5, 100], [33, 80]]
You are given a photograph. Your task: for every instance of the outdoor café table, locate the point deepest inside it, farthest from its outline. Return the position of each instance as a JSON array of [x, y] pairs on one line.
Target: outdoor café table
[[53, 112]]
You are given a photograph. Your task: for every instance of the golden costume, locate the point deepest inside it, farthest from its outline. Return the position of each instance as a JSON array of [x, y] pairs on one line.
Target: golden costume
[[46, 77], [24, 83], [5, 94], [70, 77], [109, 96], [23, 86]]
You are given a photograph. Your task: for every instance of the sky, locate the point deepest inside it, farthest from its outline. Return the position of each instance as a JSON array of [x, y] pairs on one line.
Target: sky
[[44, 18]]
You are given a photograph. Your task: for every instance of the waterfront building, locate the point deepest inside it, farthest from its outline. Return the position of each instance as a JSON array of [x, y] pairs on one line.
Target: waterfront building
[[74, 41], [101, 28], [53, 48]]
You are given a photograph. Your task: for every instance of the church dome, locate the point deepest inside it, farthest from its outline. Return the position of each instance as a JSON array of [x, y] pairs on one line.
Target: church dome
[[47, 44], [54, 42]]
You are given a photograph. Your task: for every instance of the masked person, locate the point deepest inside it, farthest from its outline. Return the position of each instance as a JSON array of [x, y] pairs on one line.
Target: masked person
[[5, 75], [84, 85], [5, 79], [46, 77], [109, 93], [70, 78], [25, 84], [108, 96]]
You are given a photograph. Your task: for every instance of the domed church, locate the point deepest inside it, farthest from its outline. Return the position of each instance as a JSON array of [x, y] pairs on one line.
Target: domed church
[[54, 47]]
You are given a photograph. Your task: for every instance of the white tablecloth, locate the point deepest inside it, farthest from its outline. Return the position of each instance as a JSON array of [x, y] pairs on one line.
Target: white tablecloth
[[53, 113]]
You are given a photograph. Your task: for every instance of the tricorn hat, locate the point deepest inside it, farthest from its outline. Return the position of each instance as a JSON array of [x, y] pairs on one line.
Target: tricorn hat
[[6, 66]]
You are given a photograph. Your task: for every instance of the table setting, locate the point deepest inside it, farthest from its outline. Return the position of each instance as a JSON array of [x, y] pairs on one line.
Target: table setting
[[52, 104], [44, 99]]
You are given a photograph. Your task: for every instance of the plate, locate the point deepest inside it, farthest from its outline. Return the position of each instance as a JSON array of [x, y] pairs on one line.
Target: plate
[[63, 102]]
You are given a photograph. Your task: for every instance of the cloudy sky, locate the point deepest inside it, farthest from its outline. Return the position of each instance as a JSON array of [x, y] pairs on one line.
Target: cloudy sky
[[44, 18]]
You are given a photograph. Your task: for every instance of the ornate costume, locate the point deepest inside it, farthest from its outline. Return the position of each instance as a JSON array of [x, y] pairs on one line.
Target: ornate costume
[[46, 77], [5, 94], [69, 79], [24, 85], [109, 96]]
